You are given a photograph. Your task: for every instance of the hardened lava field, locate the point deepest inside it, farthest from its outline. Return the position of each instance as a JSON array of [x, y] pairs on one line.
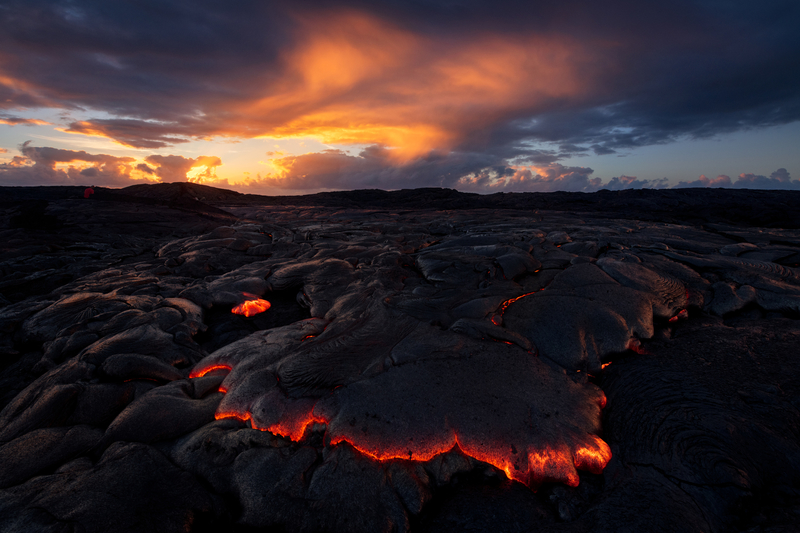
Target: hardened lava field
[[328, 368]]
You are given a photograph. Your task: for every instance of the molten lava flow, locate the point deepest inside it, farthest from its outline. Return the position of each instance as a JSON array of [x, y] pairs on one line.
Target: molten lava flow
[[293, 429], [552, 465], [230, 414], [539, 466], [388, 454], [593, 460], [198, 373], [253, 306]]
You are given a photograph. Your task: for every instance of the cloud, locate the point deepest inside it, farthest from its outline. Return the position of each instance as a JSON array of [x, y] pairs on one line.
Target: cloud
[[632, 182], [780, 179], [550, 178], [134, 133], [3, 151], [10, 120], [171, 168], [55, 166], [720, 181], [376, 167], [461, 77]]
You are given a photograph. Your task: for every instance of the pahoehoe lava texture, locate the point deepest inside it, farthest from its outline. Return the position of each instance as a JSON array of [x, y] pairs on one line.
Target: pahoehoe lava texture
[[431, 361]]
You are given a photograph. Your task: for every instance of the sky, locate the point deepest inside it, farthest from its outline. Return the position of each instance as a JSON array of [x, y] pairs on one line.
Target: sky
[[299, 97]]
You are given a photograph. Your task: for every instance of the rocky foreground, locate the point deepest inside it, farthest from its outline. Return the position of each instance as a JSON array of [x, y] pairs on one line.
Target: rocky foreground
[[428, 361]]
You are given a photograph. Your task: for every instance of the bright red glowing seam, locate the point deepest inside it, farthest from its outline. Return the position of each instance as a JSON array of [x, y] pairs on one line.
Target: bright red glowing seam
[[203, 371]]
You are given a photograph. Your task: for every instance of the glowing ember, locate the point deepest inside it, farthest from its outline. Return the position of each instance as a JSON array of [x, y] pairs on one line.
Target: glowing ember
[[253, 306]]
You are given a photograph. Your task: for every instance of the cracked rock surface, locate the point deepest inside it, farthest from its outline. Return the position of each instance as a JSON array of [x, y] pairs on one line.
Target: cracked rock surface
[[429, 362]]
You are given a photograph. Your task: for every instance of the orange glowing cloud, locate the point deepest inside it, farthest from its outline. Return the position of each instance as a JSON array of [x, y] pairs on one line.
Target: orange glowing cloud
[[355, 78], [15, 121]]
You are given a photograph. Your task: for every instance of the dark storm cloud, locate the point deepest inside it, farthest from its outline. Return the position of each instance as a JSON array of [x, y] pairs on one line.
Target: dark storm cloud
[[471, 82]]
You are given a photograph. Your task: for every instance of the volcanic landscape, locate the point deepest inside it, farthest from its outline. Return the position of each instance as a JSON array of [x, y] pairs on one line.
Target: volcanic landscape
[[177, 357]]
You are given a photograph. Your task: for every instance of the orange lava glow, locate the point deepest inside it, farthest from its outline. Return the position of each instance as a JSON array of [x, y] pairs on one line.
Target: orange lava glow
[[294, 429], [594, 459], [505, 304], [198, 373], [230, 414], [551, 465], [387, 454], [253, 306], [635, 345], [542, 465], [683, 314]]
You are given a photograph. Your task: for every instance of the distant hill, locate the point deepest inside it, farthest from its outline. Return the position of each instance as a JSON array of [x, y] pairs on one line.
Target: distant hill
[[742, 207], [745, 207]]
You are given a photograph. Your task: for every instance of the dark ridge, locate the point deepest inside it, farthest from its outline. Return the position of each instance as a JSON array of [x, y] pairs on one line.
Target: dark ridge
[[763, 208], [181, 196], [771, 209]]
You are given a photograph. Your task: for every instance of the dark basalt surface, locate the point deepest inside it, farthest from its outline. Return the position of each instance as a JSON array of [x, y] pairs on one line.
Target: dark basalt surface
[[432, 361]]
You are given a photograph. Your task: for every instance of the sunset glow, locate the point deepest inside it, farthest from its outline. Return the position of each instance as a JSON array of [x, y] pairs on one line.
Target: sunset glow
[[511, 99]]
